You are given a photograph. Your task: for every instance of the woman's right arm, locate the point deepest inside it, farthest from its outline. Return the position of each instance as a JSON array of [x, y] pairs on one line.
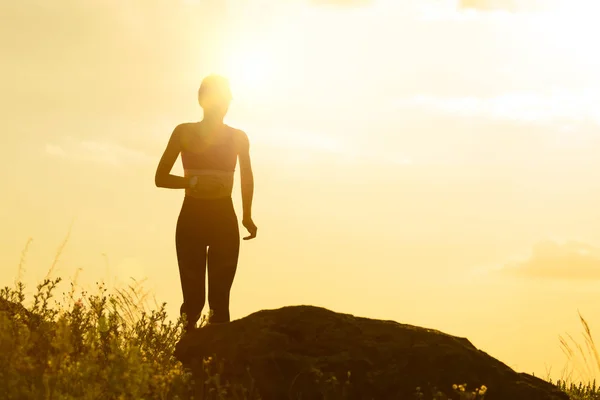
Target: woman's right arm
[[163, 177]]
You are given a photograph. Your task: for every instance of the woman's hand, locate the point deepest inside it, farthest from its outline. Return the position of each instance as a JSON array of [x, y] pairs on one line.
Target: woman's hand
[[249, 225], [193, 183]]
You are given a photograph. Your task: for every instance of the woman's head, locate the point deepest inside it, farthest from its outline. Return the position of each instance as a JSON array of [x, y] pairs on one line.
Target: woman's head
[[214, 96]]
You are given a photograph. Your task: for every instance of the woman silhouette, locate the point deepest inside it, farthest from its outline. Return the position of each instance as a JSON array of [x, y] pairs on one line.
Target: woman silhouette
[[207, 232]]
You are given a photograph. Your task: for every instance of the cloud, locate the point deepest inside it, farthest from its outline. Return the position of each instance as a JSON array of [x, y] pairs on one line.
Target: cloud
[[486, 5], [528, 107], [106, 153], [568, 261], [340, 3], [524, 5]]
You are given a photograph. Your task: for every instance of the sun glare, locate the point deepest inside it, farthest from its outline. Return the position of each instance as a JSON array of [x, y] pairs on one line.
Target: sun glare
[[252, 72]]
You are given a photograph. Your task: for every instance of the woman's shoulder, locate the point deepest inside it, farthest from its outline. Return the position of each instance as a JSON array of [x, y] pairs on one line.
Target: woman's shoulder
[[182, 129], [186, 126], [240, 138], [183, 133], [233, 129], [237, 133]]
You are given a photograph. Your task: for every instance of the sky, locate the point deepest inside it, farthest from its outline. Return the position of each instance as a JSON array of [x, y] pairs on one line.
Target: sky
[[432, 162]]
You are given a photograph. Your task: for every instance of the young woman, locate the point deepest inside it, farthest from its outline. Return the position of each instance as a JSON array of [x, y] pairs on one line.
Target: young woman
[[207, 232]]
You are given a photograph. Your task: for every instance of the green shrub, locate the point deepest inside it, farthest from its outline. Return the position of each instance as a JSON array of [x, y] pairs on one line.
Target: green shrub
[[98, 346]]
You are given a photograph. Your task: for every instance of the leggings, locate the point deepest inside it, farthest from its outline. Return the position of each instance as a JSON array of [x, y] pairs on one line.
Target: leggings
[[207, 234]]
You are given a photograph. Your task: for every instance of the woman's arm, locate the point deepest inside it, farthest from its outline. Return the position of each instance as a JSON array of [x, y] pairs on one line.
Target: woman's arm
[[163, 177], [247, 182], [246, 176]]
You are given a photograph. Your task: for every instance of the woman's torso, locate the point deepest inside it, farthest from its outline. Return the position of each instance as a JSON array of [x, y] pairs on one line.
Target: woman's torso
[[211, 156]]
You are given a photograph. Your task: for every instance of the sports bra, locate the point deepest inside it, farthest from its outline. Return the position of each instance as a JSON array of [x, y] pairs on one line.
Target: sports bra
[[213, 163], [198, 155]]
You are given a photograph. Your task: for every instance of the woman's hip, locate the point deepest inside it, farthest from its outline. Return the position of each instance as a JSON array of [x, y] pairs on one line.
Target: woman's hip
[[208, 218]]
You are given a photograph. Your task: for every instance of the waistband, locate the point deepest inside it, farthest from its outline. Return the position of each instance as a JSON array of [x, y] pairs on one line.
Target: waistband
[[216, 206], [205, 200], [211, 184], [211, 172]]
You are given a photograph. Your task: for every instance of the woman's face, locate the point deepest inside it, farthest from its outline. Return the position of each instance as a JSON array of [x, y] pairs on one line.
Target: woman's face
[[215, 106]]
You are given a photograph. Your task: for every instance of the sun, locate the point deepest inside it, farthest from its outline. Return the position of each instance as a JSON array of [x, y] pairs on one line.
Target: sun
[[252, 72]]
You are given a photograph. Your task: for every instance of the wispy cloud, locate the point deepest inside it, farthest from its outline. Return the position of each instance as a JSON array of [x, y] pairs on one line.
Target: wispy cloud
[[106, 153], [341, 3], [568, 261], [486, 5], [528, 107]]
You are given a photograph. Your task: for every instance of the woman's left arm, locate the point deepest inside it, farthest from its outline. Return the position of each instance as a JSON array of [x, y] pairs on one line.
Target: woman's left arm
[[247, 182]]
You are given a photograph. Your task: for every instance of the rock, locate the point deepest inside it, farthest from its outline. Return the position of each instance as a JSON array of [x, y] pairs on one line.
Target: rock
[[290, 352]]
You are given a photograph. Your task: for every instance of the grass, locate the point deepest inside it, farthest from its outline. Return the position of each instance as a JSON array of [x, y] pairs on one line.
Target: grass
[[86, 348], [114, 346], [585, 365], [87, 345]]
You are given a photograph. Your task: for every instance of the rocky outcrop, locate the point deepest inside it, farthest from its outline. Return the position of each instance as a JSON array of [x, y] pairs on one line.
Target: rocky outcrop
[[294, 352]]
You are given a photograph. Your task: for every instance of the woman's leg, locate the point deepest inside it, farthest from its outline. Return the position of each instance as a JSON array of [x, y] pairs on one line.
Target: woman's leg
[[191, 257], [223, 255]]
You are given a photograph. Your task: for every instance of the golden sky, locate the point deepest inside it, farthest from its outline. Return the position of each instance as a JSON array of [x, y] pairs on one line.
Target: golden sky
[[433, 162]]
